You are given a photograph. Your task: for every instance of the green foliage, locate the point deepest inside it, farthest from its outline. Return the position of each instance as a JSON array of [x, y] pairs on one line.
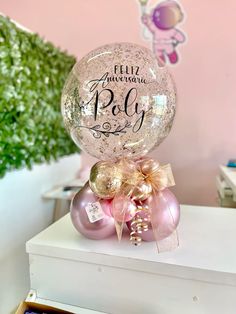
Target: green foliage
[[32, 75]]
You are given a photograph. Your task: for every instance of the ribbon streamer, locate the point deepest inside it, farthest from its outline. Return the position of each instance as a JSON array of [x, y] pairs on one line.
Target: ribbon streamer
[[139, 225], [164, 243]]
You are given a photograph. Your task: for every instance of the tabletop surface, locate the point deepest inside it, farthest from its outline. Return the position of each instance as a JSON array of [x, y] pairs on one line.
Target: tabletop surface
[[207, 241]]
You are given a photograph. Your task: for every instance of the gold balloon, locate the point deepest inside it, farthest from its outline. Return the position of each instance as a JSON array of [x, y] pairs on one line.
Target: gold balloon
[[142, 191], [105, 179]]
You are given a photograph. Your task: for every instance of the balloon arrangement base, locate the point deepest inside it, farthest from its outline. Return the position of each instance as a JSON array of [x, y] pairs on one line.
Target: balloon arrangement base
[[132, 194]]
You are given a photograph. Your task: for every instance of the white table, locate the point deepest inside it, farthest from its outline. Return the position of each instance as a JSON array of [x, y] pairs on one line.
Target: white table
[[229, 175], [197, 278], [63, 197]]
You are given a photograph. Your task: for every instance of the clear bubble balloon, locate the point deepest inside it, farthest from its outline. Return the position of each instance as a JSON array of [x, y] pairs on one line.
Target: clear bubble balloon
[[119, 101]]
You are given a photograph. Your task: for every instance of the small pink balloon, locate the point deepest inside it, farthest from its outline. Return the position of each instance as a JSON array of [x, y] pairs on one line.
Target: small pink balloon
[[106, 206], [123, 208], [100, 229], [166, 215]]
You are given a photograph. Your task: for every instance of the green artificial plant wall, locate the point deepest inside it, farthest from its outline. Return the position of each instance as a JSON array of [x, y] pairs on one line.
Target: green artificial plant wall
[[32, 75]]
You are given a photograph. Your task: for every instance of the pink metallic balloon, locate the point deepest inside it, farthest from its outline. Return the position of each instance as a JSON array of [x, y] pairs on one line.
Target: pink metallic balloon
[[100, 229], [166, 215], [123, 208]]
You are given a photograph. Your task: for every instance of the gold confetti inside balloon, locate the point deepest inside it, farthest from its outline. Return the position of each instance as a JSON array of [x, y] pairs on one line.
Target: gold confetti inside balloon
[[105, 179], [119, 101]]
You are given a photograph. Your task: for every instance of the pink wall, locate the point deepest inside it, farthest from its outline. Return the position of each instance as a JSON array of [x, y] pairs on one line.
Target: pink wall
[[203, 135]]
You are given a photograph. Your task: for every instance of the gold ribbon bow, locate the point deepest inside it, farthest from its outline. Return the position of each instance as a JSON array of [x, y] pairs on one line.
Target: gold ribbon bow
[[161, 178]]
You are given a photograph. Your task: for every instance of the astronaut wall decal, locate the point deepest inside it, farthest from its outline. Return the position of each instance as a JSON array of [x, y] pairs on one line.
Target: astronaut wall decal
[[162, 24]]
